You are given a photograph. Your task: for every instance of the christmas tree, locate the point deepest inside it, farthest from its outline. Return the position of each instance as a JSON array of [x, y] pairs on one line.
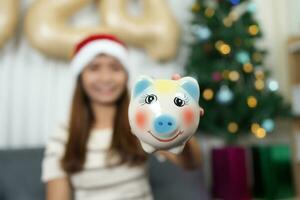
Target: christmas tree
[[236, 92]]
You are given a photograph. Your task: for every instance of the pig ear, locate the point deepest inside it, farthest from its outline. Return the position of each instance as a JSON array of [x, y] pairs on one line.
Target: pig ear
[[141, 84], [190, 85]]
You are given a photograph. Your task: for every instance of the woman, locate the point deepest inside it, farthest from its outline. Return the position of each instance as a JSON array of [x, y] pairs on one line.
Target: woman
[[96, 156]]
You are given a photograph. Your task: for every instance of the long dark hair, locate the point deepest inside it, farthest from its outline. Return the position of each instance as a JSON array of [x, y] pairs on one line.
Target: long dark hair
[[124, 143]]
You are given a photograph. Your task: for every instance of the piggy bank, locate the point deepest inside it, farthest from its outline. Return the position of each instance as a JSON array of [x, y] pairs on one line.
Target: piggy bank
[[164, 114]]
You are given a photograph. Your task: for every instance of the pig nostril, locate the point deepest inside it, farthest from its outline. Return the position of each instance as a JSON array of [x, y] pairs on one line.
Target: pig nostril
[[170, 123], [160, 123]]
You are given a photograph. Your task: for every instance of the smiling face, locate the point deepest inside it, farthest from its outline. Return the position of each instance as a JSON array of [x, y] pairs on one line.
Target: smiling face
[[104, 79], [164, 113]]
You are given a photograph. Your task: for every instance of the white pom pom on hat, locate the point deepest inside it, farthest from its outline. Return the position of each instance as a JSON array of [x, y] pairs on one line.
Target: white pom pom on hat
[[86, 50]]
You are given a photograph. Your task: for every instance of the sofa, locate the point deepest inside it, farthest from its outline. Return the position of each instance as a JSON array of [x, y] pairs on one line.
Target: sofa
[[20, 172]]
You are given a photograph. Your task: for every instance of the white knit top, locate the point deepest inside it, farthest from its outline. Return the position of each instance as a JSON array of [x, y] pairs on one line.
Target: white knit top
[[97, 180]]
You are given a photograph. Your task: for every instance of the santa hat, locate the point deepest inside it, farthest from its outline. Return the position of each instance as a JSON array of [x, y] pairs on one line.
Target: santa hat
[[86, 50]]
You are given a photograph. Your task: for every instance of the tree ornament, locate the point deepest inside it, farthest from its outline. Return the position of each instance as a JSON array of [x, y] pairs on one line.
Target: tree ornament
[[251, 7], [217, 76], [243, 57], [224, 95], [268, 125], [235, 2], [201, 32]]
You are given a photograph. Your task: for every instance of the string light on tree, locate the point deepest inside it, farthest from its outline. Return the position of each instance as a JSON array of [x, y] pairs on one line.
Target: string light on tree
[[222, 47], [260, 133], [248, 67], [209, 12], [234, 75], [259, 74], [251, 101], [259, 84], [254, 127], [218, 44], [208, 94], [232, 127], [253, 30]]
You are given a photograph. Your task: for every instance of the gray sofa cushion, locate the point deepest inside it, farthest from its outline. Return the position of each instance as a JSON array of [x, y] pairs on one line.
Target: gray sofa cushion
[[20, 172]]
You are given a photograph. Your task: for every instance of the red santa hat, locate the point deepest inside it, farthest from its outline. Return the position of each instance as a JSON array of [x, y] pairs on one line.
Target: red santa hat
[[86, 50]]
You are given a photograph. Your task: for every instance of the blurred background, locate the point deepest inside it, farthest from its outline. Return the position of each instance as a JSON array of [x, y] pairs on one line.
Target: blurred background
[[245, 55]]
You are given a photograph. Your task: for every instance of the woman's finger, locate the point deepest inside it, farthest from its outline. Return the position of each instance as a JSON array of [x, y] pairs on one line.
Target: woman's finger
[[176, 77], [201, 111]]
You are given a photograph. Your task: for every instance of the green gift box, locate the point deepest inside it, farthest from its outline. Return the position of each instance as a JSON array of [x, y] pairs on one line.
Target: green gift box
[[272, 172]]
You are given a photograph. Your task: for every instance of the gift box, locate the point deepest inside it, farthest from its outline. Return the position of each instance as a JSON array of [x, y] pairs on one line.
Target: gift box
[[272, 172], [229, 174]]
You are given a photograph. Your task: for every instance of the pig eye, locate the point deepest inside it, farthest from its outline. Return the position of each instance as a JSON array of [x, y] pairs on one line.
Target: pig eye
[[150, 98], [179, 102]]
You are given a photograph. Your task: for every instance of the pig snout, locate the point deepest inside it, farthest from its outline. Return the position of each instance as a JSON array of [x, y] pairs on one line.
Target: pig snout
[[165, 125]]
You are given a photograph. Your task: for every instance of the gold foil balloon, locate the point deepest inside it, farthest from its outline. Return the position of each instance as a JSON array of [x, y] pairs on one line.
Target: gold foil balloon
[[8, 19], [155, 30]]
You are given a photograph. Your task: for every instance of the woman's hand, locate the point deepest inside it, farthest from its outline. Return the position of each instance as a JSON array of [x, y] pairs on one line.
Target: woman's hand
[[190, 157]]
